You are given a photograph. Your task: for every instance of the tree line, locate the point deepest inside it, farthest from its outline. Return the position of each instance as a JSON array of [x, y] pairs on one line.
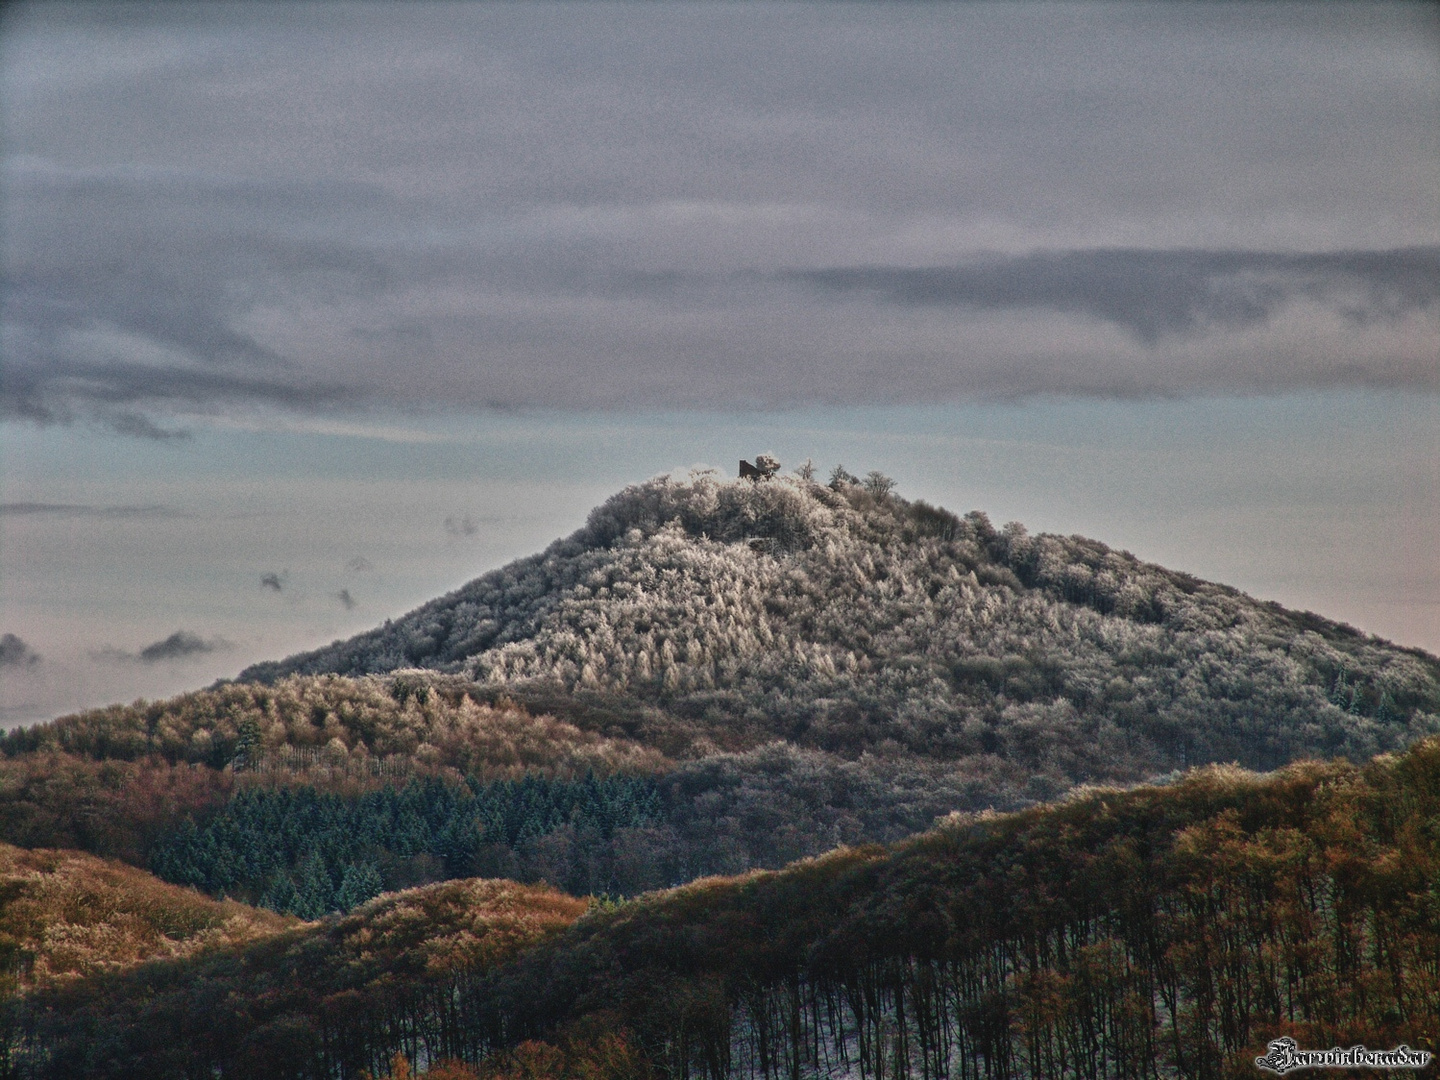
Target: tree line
[[1156, 932], [305, 852]]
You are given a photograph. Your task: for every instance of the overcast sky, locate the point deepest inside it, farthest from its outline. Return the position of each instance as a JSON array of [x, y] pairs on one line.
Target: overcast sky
[[284, 249]]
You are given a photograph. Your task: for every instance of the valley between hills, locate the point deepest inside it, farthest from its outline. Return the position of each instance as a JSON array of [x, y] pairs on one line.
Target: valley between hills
[[756, 778]]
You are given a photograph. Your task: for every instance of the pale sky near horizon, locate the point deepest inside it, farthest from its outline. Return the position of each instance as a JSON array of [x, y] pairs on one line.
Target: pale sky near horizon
[[312, 312]]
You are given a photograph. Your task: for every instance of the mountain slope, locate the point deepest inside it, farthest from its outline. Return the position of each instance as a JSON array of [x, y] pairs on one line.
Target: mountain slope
[[1160, 931], [65, 914], [336, 992], [849, 620], [279, 794]]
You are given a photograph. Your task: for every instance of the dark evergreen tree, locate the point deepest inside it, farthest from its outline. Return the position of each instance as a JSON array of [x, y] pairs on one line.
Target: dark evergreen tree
[[280, 895], [285, 847], [361, 882], [314, 890]]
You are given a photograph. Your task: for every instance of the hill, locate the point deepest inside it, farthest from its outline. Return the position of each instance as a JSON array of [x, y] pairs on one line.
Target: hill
[[708, 682], [261, 1009], [278, 794], [65, 915], [1160, 931], [710, 677], [845, 619]]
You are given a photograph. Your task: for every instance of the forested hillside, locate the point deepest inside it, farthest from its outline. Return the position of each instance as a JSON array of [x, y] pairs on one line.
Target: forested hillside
[[64, 915], [708, 682], [1156, 932], [766, 669], [133, 782], [313, 794], [356, 728], [846, 619], [251, 1010]]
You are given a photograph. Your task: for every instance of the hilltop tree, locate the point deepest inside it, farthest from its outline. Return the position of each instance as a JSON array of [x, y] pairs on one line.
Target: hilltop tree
[[878, 484]]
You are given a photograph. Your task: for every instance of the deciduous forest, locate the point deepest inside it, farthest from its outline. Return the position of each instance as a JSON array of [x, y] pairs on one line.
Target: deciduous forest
[[759, 778], [1161, 931]]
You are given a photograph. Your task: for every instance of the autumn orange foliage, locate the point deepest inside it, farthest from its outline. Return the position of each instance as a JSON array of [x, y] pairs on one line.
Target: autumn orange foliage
[[451, 926], [65, 914], [608, 1056], [57, 799], [1164, 930]]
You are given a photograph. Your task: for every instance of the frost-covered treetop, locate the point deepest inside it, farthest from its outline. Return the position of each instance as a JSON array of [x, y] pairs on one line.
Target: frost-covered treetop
[[844, 617]]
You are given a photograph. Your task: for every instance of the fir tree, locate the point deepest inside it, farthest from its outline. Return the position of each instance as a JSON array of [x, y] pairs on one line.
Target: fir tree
[[360, 882]]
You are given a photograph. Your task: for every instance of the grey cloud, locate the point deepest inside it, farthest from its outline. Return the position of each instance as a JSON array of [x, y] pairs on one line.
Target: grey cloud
[[461, 526], [14, 652], [20, 509], [486, 206], [346, 600], [122, 290], [1157, 293], [359, 564], [128, 423], [48, 386], [272, 581], [179, 645], [765, 338]]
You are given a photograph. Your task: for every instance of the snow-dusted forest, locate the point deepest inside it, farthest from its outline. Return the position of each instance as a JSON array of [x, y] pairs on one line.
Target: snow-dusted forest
[[845, 618], [722, 678]]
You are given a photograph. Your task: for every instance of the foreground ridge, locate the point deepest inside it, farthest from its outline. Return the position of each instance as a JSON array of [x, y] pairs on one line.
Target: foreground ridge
[[1162, 931]]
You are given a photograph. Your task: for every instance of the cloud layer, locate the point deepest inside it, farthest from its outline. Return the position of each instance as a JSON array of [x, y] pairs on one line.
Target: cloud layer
[[178, 646], [26, 509], [1159, 294], [324, 208]]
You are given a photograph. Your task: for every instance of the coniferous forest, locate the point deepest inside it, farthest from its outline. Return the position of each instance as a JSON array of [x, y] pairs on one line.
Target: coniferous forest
[[753, 778]]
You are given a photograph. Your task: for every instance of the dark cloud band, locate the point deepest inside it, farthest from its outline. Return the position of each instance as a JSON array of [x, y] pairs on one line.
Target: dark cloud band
[[617, 339], [1157, 293], [24, 509]]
